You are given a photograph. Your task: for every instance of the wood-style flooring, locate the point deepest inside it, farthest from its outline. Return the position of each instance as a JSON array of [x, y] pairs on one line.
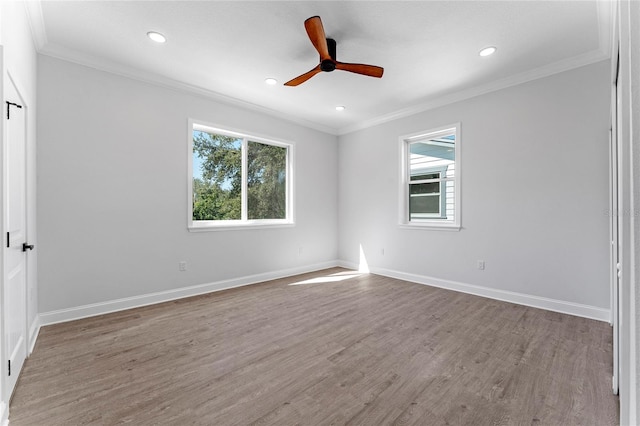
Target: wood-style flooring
[[328, 348]]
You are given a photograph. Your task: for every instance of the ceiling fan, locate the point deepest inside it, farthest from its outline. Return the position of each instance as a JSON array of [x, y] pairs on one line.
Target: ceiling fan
[[326, 47]]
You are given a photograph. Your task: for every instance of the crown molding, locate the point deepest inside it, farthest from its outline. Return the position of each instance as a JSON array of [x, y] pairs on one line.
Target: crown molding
[[70, 55], [514, 80], [36, 23], [44, 47], [100, 64], [605, 14]]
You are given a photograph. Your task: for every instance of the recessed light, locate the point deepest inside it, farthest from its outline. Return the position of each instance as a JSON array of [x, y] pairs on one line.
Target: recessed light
[[157, 37], [340, 108], [271, 81], [488, 51]]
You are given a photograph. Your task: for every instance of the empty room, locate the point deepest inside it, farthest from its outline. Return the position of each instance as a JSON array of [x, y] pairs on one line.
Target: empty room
[[320, 212]]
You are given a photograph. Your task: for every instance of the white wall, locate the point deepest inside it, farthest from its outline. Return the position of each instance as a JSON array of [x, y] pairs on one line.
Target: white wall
[[534, 193], [112, 191], [19, 59]]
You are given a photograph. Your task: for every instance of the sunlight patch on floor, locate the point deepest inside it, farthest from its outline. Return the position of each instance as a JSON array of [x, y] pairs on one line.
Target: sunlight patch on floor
[[340, 276]]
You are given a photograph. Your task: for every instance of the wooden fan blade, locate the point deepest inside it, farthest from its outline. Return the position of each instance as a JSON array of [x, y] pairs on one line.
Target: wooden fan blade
[[315, 30], [304, 77], [370, 70]]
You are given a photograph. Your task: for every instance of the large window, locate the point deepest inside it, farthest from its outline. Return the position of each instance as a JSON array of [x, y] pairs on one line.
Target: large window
[[431, 178], [238, 180]]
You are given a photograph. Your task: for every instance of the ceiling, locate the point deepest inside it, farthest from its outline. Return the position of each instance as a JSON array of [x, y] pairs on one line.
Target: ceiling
[[429, 49]]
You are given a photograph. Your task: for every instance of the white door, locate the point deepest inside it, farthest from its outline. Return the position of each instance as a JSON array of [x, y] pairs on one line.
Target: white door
[[15, 316]]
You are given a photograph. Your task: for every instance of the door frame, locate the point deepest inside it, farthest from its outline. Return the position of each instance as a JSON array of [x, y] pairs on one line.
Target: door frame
[[614, 229]]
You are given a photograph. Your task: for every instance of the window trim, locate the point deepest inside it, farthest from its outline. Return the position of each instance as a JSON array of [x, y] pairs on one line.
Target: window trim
[[439, 224], [223, 225]]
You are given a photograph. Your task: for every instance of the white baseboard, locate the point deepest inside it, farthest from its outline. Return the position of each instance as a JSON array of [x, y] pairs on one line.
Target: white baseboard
[[94, 309], [70, 314], [34, 330], [4, 414], [576, 309]]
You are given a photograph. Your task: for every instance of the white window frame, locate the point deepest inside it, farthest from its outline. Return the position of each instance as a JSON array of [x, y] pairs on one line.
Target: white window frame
[[405, 178], [244, 223]]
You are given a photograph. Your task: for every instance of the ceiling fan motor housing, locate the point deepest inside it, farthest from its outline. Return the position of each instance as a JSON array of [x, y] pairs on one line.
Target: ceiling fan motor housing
[[329, 65]]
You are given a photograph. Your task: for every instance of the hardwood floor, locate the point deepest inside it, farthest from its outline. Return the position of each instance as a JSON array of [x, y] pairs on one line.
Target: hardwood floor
[[327, 348]]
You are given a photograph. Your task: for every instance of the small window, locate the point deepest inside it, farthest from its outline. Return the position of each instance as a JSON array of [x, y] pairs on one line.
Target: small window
[[430, 178], [238, 180]]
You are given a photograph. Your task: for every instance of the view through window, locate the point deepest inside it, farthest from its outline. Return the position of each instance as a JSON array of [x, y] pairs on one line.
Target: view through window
[[431, 178], [238, 179]]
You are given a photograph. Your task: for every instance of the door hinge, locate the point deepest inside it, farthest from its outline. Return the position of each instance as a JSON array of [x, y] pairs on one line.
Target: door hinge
[[8, 238], [9, 367], [9, 105]]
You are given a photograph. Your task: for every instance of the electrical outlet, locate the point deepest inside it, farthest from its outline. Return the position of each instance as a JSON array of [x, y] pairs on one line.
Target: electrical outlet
[[382, 251], [481, 265], [182, 265]]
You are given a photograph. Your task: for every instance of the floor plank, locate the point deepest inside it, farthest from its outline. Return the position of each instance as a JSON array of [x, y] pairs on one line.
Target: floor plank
[[332, 347]]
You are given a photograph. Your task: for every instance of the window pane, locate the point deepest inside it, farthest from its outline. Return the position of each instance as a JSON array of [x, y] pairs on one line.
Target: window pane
[[432, 158], [425, 176], [217, 177], [426, 156], [424, 207], [266, 181], [425, 188]]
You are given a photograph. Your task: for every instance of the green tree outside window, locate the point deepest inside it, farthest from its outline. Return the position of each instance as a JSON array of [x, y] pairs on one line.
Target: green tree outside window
[[217, 178]]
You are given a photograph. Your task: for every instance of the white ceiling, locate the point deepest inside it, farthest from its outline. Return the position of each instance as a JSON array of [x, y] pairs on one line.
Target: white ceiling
[[429, 49]]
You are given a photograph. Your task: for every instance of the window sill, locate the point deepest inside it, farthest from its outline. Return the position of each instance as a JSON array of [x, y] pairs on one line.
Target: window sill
[[431, 226], [230, 226]]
